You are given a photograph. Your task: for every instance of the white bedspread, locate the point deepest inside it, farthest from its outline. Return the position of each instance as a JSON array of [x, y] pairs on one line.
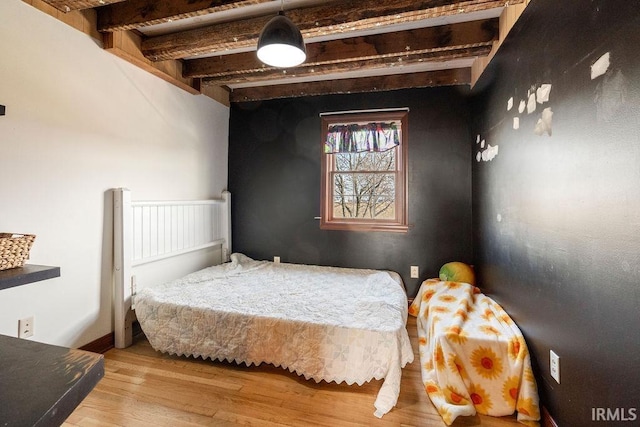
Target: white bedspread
[[326, 323]]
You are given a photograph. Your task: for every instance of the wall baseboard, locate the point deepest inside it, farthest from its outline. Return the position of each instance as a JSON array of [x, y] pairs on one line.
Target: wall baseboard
[[547, 420], [101, 345]]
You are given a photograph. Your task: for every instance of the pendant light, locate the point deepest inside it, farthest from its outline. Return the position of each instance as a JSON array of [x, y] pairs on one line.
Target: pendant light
[[280, 43]]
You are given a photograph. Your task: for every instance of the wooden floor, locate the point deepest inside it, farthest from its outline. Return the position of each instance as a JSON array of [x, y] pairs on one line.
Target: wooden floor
[[142, 387]]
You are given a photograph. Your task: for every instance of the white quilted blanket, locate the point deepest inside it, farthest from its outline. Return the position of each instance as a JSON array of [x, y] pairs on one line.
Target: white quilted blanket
[[326, 323]]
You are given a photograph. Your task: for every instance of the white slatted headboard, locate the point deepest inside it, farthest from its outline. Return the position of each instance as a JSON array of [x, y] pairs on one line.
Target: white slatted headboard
[[148, 232]]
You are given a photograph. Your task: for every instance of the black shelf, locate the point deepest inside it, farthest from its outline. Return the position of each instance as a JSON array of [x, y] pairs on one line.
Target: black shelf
[[41, 383], [27, 274]]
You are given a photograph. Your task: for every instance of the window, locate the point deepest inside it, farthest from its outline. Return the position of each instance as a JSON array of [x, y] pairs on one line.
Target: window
[[364, 174]]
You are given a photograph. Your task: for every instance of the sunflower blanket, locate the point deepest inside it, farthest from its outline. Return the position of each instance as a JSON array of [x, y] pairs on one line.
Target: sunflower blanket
[[473, 356]]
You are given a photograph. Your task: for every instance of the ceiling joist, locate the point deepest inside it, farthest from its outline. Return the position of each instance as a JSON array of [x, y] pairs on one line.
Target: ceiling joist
[[372, 63], [208, 46], [450, 77], [69, 5], [475, 37], [320, 21], [143, 13]]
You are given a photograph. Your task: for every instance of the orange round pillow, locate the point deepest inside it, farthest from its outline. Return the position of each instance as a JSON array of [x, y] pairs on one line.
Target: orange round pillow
[[458, 272]]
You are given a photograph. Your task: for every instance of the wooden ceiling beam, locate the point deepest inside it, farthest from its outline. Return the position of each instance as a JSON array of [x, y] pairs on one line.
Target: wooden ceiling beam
[[507, 20], [141, 13], [328, 19], [69, 5], [451, 77], [374, 63], [398, 44]]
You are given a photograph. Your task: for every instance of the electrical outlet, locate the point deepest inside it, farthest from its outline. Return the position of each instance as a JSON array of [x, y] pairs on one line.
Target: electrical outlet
[[554, 365], [25, 327], [415, 271], [276, 260]]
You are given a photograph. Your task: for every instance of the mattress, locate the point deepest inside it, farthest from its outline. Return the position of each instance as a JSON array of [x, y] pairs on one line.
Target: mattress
[[325, 323]]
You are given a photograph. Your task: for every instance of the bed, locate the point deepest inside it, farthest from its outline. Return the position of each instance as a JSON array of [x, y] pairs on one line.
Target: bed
[[324, 323], [473, 357]]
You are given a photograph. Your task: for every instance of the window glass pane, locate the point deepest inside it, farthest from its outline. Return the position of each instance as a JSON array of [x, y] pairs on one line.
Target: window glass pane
[[344, 207], [384, 208], [384, 161], [385, 185], [343, 184], [364, 195], [343, 161], [364, 183]]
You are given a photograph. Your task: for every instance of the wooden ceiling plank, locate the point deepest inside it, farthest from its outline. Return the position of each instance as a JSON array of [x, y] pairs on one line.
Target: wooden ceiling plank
[[396, 44], [141, 13], [508, 18], [69, 5], [125, 44], [451, 77], [329, 19], [82, 20], [436, 55]]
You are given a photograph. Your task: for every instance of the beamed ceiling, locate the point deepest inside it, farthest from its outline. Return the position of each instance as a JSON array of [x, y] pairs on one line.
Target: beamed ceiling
[[208, 46]]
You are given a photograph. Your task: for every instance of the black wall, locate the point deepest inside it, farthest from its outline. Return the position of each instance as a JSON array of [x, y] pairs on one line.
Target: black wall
[[564, 258], [274, 178]]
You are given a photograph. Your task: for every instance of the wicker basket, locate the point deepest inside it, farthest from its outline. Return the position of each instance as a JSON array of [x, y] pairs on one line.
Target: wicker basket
[[14, 249]]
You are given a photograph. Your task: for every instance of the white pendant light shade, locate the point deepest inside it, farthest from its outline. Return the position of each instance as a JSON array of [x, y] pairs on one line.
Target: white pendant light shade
[[281, 44]]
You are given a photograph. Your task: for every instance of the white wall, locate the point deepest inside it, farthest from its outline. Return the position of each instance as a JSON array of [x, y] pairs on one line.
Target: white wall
[[80, 121]]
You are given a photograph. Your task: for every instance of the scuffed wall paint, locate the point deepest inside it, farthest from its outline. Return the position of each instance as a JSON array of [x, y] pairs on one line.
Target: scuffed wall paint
[[600, 66], [544, 123], [557, 216]]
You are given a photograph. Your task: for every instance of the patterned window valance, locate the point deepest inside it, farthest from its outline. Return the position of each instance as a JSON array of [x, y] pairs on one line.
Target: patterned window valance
[[354, 138]]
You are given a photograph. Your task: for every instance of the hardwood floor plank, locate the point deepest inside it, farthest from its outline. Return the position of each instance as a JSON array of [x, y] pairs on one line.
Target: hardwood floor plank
[[143, 388]]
